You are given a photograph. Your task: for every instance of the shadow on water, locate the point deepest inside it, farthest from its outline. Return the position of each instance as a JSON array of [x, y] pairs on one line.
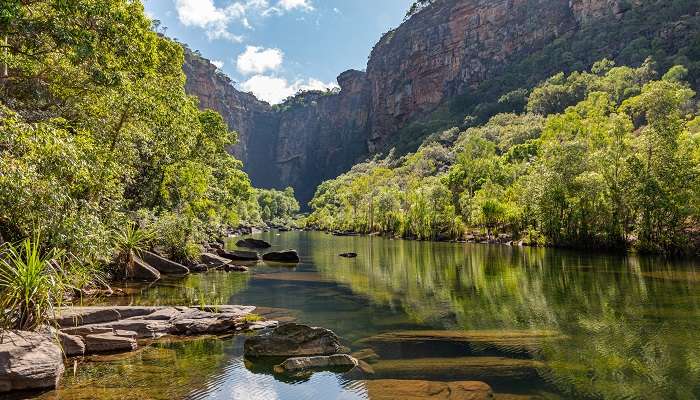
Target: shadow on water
[[540, 323]]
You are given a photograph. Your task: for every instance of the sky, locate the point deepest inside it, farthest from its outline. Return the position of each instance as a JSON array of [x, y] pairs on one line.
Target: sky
[[274, 48]]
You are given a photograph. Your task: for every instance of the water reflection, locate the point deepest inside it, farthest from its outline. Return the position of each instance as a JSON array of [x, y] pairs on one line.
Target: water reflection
[[627, 327]]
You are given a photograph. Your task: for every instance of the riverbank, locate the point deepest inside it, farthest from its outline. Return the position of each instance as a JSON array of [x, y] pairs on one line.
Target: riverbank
[[34, 361]]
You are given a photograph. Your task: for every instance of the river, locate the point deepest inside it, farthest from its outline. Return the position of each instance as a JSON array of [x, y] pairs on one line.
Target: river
[[549, 324]]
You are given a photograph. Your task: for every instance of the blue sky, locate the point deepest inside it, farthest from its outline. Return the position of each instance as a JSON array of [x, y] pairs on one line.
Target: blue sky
[[274, 48]]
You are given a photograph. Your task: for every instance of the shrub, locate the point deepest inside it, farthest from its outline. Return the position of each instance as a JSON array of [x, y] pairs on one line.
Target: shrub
[[31, 285]]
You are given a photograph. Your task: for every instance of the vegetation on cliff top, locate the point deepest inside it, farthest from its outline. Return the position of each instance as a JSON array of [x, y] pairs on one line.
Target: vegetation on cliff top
[[607, 158]]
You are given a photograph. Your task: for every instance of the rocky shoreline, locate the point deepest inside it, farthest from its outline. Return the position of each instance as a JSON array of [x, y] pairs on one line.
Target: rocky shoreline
[[35, 360]]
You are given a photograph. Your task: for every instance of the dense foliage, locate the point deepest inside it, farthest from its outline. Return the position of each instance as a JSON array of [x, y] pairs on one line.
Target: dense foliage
[[607, 158], [666, 30], [96, 131], [277, 207]]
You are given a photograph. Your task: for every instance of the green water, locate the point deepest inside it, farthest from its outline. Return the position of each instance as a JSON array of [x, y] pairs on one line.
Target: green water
[[625, 327]]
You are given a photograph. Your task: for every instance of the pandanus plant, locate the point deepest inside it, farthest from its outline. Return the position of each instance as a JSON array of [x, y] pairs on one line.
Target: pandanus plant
[[31, 285], [130, 242]]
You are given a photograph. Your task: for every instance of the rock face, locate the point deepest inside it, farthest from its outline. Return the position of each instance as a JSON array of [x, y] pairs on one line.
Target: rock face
[[294, 340], [29, 361], [440, 54]]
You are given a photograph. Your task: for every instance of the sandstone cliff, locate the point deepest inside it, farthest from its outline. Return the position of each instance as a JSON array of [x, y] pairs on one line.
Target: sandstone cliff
[[443, 63]]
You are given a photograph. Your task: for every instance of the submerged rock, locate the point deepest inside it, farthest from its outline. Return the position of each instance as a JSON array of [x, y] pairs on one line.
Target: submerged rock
[[302, 364], [163, 265], [390, 389], [286, 256], [235, 268], [366, 355], [251, 243], [459, 368], [450, 343], [291, 340], [29, 361]]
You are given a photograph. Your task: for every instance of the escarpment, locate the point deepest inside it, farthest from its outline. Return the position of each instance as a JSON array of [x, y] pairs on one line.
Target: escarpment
[[450, 60]]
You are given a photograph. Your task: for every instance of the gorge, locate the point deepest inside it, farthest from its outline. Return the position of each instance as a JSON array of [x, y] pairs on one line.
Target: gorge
[[451, 60]]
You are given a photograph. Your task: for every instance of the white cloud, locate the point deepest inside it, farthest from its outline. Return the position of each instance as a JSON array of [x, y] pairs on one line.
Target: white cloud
[[289, 5], [215, 20], [206, 15], [257, 60], [274, 89], [218, 63]]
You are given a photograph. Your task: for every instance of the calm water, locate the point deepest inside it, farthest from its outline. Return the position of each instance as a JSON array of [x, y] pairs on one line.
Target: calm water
[[622, 327]]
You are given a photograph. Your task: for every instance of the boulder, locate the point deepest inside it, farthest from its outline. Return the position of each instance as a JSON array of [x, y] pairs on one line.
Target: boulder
[[235, 268], [390, 389], [286, 256], [142, 271], [213, 260], [238, 255], [71, 345], [200, 268], [302, 364], [216, 246], [29, 361], [251, 243], [349, 255], [294, 340], [163, 265], [108, 343]]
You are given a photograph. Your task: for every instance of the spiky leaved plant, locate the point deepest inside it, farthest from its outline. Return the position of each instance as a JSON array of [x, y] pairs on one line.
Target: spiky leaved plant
[[31, 285], [129, 242]]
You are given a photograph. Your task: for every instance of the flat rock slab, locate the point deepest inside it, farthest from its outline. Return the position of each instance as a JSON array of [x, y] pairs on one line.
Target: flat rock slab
[[109, 343], [303, 364], [115, 328], [81, 316], [389, 389], [29, 361], [294, 340]]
